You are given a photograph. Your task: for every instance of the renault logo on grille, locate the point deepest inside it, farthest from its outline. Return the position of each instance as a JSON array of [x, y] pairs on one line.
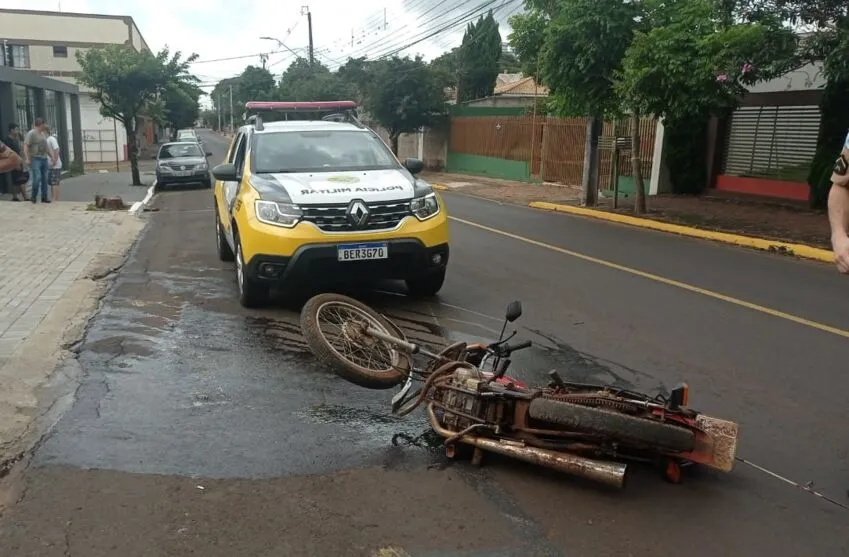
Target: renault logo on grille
[[358, 213]]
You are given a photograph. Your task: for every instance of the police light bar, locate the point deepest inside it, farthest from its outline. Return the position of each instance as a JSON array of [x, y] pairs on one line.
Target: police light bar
[[338, 111], [284, 106]]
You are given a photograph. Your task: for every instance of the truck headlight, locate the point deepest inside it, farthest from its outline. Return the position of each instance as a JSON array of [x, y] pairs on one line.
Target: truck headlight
[[425, 207], [278, 214]]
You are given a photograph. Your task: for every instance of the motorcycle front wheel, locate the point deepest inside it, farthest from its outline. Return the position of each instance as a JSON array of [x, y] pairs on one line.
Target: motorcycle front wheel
[[335, 326]]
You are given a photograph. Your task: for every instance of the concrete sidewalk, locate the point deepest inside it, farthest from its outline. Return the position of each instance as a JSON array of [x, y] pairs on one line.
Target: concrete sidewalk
[[53, 259], [756, 223], [84, 188]]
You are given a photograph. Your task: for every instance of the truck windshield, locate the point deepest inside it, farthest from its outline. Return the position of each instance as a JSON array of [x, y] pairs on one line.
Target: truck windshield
[[320, 151]]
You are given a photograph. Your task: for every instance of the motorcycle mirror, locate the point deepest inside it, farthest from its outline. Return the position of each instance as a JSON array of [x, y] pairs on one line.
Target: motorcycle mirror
[[514, 311]]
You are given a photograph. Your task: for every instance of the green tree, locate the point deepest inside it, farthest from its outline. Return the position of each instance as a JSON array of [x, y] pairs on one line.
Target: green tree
[[693, 61], [253, 84], [127, 84], [181, 104], [403, 95], [827, 43], [221, 100], [582, 49], [256, 84], [479, 57], [446, 68], [301, 82], [355, 74], [209, 118], [527, 38], [509, 63]]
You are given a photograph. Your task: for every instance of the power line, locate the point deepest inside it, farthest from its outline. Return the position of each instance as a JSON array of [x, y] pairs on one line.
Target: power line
[[360, 51], [379, 22], [460, 21], [270, 52], [395, 48], [495, 10], [501, 20]]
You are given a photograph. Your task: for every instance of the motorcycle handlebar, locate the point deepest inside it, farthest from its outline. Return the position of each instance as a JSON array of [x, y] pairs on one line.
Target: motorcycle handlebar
[[508, 349]]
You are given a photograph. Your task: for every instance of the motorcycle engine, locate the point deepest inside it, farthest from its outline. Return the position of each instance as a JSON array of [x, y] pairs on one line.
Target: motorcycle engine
[[465, 399]]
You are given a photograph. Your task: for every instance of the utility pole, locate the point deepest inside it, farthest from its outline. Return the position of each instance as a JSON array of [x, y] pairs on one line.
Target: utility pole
[[231, 109], [218, 106], [262, 59], [306, 10]]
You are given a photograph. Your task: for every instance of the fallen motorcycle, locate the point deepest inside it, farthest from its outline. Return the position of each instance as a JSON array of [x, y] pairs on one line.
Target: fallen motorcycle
[[580, 429]]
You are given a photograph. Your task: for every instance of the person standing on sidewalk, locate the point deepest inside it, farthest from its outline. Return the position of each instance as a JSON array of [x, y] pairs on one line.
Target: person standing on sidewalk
[[55, 164], [37, 153], [838, 209], [18, 178]]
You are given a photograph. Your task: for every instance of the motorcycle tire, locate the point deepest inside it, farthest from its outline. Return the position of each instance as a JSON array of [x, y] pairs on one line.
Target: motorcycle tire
[[329, 357], [615, 425]]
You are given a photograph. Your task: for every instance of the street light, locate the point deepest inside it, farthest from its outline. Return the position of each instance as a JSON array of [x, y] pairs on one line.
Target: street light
[[281, 43]]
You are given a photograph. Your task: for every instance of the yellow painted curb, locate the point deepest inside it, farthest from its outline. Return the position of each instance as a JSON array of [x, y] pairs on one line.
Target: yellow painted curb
[[391, 551], [440, 187], [799, 250]]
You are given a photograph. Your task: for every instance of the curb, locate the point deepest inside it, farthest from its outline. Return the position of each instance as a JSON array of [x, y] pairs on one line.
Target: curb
[[798, 250], [139, 206], [440, 187]]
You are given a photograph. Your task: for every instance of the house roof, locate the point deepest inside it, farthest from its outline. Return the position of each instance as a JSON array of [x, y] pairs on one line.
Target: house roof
[[507, 78], [522, 88]]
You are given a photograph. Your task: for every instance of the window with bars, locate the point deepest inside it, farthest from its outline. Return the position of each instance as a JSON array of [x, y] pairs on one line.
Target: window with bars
[[15, 55], [777, 142], [51, 111], [24, 106]]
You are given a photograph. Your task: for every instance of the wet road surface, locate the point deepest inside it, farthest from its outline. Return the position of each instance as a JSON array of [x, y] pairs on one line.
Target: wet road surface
[[204, 428]]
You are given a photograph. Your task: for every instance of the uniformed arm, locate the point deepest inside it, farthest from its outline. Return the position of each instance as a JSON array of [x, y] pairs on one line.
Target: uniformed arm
[[838, 216], [838, 210]]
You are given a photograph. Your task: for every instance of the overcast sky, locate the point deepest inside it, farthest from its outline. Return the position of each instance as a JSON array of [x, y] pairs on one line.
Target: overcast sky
[[216, 29]]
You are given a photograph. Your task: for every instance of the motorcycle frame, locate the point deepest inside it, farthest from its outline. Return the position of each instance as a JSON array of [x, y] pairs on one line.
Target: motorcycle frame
[[529, 437]]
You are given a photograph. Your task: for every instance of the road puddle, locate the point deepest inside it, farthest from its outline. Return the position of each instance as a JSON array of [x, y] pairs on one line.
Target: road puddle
[[372, 425], [277, 334]]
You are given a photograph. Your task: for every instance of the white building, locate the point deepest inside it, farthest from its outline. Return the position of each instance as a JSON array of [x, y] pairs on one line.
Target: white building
[[46, 43]]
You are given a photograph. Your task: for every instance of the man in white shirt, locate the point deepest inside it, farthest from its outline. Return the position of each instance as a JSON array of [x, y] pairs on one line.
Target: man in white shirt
[[55, 164]]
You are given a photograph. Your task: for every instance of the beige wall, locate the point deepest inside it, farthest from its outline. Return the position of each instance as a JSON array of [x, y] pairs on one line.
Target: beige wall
[[138, 41], [40, 32], [60, 29], [435, 146], [41, 58]]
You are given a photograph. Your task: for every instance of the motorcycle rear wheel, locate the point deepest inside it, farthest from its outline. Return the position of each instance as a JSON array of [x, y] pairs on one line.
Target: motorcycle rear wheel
[[615, 425], [368, 362]]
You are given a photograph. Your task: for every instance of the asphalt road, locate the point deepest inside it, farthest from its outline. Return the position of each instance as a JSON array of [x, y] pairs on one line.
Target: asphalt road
[[202, 428]]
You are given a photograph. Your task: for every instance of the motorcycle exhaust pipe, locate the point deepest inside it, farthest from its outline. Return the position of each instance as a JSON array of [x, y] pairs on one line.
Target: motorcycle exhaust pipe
[[608, 473]]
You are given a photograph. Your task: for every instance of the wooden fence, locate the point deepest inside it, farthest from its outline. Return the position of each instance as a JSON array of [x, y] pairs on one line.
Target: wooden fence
[[553, 147]]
